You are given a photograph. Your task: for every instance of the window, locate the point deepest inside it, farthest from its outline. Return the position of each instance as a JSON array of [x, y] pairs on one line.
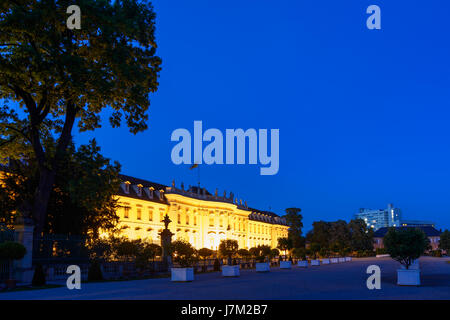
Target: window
[[139, 213], [126, 210], [187, 218], [139, 190], [195, 220], [211, 222], [179, 218], [161, 216], [150, 214], [127, 187], [221, 222]]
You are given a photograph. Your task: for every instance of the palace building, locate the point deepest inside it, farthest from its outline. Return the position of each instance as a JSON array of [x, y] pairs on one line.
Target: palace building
[[197, 216]]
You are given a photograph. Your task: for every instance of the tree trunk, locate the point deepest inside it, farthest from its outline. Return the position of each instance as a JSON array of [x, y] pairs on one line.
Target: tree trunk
[[47, 175], [43, 192]]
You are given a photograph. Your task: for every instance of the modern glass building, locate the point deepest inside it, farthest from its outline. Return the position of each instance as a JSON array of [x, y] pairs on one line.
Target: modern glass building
[[379, 218]]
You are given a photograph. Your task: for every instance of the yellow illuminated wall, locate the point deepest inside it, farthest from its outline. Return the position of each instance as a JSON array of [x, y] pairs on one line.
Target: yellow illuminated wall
[[197, 219]]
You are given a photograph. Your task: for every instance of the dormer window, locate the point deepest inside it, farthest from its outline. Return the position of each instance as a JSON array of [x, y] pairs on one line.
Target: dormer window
[[161, 194], [127, 187], [139, 190], [152, 190]]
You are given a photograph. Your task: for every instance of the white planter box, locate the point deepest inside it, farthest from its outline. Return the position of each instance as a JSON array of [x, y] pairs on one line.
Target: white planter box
[[302, 263], [315, 262], [182, 274], [325, 261], [341, 259], [348, 259], [285, 264], [408, 277], [382, 255], [334, 260], [230, 271], [262, 267]]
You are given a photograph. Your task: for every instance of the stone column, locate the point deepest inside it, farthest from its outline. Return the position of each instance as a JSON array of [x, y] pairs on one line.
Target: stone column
[[23, 233], [166, 240]]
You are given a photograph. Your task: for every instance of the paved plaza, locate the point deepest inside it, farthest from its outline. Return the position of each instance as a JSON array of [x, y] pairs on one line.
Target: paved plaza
[[336, 281]]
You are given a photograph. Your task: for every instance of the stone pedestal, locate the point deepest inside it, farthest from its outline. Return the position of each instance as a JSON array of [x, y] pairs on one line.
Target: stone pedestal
[[166, 240], [23, 233]]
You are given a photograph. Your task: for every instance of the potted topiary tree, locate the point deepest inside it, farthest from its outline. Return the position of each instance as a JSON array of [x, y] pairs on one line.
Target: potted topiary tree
[[274, 253], [300, 254], [314, 248], [284, 244], [205, 253], [184, 257], [405, 246], [228, 248], [11, 251], [254, 252], [262, 264]]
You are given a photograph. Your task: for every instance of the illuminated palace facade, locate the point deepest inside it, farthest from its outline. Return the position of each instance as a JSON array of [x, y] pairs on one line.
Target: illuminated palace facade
[[197, 216]]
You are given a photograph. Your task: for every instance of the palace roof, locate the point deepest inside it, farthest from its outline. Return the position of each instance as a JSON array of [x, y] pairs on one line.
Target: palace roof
[[139, 189]]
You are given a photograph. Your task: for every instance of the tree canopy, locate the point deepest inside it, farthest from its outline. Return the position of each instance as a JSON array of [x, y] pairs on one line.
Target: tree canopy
[[294, 221], [340, 236], [405, 245], [59, 76], [82, 200]]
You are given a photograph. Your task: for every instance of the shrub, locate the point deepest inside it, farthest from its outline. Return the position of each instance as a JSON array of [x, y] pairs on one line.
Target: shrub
[[380, 251], [436, 253], [38, 276], [11, 251], [274, 253], [205, 253], [146, 253], [95, 272], [183, 253], [243, 253], [299, 253], [261, 252], [405, 245]]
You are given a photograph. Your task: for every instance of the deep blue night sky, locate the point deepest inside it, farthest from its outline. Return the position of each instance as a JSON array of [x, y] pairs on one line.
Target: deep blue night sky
[[363, 114]]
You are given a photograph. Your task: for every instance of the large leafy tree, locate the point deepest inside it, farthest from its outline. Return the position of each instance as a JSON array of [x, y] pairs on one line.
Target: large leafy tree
[[58, 76], [82, 200], [361, 236], [294, 221], [320, 233], [340, 235]]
